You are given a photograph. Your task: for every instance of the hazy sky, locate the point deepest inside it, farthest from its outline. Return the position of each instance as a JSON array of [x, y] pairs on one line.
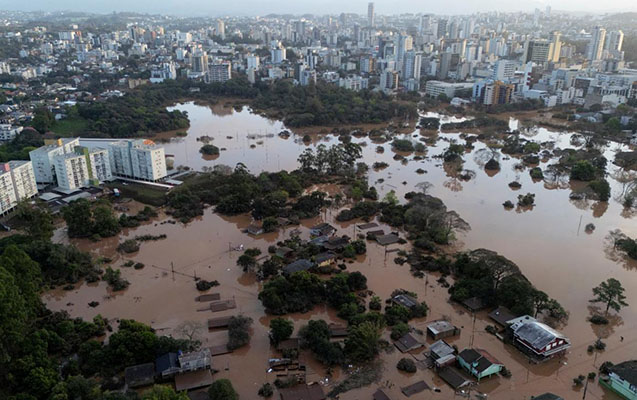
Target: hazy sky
[[261, 7]]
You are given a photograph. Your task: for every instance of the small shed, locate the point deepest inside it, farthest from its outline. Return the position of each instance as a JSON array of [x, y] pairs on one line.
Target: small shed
[[193, 380], [222, 305], [441, 329], [218, 323], [474, 304], [140, 375], [386, 240], [364, 227], [375, 233], [338, 330], [303, 392], [502, 315], [219, 350], [254, 230], [208, 297], [380, 394], [414, 388], [453, 378], [289, 344], [408, 342]]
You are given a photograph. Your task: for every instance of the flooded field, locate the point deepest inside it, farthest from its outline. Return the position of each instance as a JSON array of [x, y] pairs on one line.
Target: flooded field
[[548, 242]]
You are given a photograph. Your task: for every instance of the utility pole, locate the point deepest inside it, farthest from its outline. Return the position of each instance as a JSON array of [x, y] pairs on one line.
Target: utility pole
[[172, 269], [473, 328], [585, 389]]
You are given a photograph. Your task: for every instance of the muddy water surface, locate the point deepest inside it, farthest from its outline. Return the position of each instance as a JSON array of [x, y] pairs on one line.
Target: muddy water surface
[[548, 242]]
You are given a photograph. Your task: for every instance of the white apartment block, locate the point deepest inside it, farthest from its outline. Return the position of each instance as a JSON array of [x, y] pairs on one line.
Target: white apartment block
[[148, 162], [71, 171], [23, 179], [9, 132], [99, 165], [8, 199], [130, 158], [43, 158], [17, 182]]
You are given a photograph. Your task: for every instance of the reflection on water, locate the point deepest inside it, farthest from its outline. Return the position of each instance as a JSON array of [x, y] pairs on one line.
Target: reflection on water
[[548, 242]]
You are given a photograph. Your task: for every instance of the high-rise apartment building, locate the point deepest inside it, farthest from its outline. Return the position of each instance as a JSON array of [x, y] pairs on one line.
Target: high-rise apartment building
[[504, 70], [253, 62], [221, 29], [538, 51], [23, 179], [442, 28], [557, 46], [199, 62], [389, 79], [370, 15], [492, 92], [17, 182], [219, 72], [71, 171], [613, 44], [596, 44], [412, 65], [8, 198], [43, 158]]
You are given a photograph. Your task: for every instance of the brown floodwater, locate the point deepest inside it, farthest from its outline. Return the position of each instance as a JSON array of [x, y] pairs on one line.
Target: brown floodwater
[[547, 241]]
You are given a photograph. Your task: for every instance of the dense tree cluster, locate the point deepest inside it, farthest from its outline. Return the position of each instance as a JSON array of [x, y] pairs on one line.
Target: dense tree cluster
[[86, 219], [425, 218], [497, 281], [337, 160], [142, 111], [301, 291], [136, 114], [238, 191], [325, 104]]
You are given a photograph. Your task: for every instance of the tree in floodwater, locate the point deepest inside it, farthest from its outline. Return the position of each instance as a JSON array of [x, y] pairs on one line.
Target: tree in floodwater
[[222, 389], [610, 293]]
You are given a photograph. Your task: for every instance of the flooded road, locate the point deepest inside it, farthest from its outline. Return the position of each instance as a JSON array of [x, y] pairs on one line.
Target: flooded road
[[548, 242]]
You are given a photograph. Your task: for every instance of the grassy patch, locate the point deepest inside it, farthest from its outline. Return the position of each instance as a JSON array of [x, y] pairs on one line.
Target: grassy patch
[[70, 126], [154, 196]]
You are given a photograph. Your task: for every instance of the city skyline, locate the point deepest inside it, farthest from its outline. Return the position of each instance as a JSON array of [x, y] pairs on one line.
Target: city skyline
[[199, 7]]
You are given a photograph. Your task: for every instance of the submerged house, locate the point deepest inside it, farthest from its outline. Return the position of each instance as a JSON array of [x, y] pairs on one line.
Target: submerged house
[[408, 342], [442, 354], [537, 339], [622, 379], [322, 229], [405, 300], [479, 363], [297, 266], [441, 329], [325, 259]]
